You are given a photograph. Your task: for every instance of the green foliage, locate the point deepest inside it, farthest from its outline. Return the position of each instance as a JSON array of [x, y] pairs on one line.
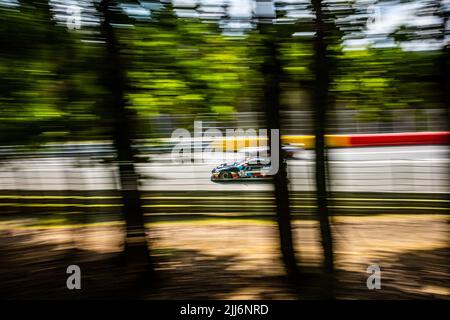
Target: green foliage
[[376, 81], [185, 66], [50, 87]]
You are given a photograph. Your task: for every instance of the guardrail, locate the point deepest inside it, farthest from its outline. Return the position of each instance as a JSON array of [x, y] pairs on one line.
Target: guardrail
[[345, 140]]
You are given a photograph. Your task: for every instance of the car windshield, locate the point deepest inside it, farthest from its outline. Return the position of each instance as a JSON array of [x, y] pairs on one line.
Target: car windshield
[[241, 163]]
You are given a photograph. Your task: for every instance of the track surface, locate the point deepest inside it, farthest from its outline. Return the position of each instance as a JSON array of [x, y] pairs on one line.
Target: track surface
[[421, 169]]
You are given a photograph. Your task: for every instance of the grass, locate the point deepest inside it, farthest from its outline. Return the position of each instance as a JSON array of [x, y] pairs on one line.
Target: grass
[[64, 223]]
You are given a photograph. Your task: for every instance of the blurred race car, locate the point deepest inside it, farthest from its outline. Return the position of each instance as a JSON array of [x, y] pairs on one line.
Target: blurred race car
[[254, 166], [248, 169]]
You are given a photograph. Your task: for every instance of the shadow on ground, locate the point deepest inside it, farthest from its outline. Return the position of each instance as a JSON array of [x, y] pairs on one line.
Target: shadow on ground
[[35, 268]]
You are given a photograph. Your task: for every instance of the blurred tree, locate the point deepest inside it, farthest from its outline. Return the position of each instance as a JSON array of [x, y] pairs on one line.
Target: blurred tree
[[321, 101], [26, 72], [377, 81], [48, 88], [444, 58], [114, 80], [271, 72], [392, 69], [185, 66]]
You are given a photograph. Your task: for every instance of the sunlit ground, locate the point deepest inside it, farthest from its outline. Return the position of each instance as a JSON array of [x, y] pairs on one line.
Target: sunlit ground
[[230, 259]]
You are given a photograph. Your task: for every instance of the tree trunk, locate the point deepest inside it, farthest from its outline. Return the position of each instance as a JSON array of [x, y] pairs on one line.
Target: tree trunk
[[136, 249], [443, 78], [271, 76], [443, 63], [320, 104]]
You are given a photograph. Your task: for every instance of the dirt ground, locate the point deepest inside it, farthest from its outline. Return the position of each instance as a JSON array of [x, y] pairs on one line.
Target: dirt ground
[[229, 259]]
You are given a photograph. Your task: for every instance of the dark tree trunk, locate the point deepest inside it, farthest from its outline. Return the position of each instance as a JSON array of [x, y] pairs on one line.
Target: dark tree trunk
[[444, 61], [136, 250], [320, 104], [271, 71], [443, 78]]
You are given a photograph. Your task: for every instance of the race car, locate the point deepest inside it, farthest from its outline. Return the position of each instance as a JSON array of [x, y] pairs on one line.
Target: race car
[[248, 169]]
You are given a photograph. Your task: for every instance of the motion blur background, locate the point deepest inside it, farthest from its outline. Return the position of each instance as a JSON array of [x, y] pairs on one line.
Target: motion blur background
[[91, 92]]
